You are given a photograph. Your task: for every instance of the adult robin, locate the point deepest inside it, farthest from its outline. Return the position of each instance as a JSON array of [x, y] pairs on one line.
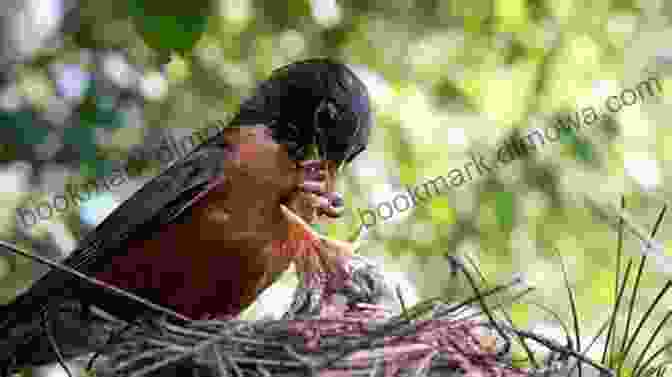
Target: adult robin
[[216, 228]]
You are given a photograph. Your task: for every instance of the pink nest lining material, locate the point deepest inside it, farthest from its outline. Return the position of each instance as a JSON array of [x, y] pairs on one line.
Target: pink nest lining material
[[460, 343], [336, 326]]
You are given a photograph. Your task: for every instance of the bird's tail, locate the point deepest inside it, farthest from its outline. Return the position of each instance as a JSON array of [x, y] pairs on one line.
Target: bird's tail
[[20, 319], [42, 325]]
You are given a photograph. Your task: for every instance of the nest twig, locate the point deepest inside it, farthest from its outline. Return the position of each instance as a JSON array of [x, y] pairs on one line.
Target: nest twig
[[338, 333]]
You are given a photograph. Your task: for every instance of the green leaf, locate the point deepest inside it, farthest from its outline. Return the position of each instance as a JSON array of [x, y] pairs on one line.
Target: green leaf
[[624, 5], [567, 135], [442, 212], [504, 202], [170, 26], [512, 15], [98, 111], [584, 151], [24, 126]]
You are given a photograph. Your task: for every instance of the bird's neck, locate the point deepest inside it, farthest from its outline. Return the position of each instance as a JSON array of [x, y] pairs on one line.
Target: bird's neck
[[263, 218], [235, 215]]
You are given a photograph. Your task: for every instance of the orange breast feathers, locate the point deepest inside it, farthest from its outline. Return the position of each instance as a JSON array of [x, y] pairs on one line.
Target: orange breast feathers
[[202, 278], [315, 256]]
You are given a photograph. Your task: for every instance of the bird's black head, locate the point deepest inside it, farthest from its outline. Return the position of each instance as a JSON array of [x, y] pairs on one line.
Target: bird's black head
[[312, 103]]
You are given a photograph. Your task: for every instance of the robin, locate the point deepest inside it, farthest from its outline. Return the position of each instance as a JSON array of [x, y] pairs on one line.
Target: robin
[[211, 232]]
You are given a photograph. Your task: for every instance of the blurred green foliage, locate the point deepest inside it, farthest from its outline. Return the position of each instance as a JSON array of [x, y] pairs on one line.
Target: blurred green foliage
[[170, 26], [447, 78]]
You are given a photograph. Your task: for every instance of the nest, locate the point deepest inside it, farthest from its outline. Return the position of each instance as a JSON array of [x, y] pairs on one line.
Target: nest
[[328, 331]]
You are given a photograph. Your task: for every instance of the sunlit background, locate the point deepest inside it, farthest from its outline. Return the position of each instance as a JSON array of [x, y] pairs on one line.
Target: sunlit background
[[80, 89]]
